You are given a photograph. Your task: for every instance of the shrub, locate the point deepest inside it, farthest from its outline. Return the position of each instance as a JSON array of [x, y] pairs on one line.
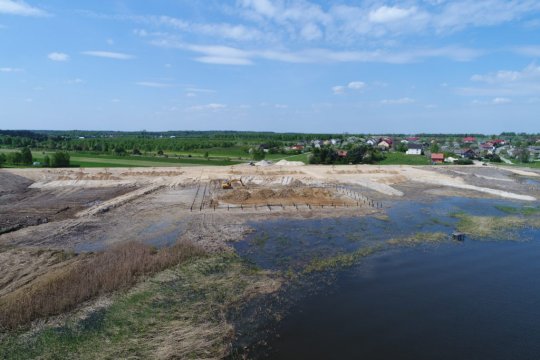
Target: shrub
[[60, 159]]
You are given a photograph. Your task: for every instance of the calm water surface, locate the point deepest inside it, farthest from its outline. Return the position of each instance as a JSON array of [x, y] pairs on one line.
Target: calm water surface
[[471, 300]]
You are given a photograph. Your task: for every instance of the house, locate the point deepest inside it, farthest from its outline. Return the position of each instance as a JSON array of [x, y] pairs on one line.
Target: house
[[371, 142], [414, 149], [316, 143], [342, 153], [467, 153], [297, 147], [437, 158], [383, 145], [489, 147], [413, 139], [469, 140]]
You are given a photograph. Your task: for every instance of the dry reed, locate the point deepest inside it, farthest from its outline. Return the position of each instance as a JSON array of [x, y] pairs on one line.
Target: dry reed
[[116, 268]]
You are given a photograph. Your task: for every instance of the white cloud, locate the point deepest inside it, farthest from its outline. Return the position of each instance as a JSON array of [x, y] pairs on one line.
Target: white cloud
[[311, 32], [500, 100], [13, 7], [200, 90], [400, 101], [211, 107], [386, 14], [222, 60], [10, 70], [338, 90], [353, 85], [153, 84], [523, 82], [356, 85], [57, 56], [218, 54], [263, 7], [109, 55]]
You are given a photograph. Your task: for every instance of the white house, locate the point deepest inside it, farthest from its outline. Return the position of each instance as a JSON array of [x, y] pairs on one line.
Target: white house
[[414, 149]]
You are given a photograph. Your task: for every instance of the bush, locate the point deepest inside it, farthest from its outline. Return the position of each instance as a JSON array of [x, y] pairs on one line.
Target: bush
[[3, 159], [463, 162], [60, 159], [26, 156]]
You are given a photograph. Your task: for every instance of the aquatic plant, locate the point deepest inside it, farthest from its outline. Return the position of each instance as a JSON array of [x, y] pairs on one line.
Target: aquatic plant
[[525, 210], [480, 227]]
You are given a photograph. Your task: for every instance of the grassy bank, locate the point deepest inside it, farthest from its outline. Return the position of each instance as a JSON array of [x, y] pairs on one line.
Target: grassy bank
[[179, 313]]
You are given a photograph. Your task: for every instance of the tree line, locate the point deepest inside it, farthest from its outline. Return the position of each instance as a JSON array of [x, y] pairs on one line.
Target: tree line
[[24, 158], [359, 154]]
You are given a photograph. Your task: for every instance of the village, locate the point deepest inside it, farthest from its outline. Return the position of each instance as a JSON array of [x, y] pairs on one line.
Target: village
[[450, 150]]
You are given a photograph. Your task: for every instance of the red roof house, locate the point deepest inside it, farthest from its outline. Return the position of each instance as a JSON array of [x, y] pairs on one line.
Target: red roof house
[[342, 153], [437, 158], [469, 139]]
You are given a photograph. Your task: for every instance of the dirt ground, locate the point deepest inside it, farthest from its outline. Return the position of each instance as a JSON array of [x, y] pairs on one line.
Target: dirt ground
[[43, 212]]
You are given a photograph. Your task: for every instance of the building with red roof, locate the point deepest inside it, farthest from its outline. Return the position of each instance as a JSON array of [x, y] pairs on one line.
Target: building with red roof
[[437, 158]]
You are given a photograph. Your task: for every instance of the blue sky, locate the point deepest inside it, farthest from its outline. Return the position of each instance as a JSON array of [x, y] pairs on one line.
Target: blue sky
[[284, 65]]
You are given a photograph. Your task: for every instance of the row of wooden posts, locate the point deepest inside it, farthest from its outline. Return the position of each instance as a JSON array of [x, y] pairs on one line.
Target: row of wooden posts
[[360, 200]]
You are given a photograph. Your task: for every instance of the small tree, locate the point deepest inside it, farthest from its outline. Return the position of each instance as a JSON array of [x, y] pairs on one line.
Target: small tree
[[60, 159], [206, 155], [26, 156], [258, 154], [3, 159], [46, 161]]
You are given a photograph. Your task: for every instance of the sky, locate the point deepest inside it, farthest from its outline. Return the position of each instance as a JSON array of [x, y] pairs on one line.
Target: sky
[[372, 66]]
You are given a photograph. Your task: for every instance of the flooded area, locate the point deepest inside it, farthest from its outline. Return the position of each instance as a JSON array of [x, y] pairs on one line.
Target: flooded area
[[445, 300]]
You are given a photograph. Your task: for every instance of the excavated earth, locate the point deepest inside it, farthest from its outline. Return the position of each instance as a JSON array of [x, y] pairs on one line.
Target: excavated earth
[[45, 214]]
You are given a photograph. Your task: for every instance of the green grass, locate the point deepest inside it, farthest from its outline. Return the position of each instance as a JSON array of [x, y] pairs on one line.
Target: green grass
[[217, 157], [89, 159], [399, 158], [525, 210], [352, 258]]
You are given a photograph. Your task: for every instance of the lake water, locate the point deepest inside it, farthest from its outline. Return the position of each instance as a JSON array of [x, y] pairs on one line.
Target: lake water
[[471, 300]]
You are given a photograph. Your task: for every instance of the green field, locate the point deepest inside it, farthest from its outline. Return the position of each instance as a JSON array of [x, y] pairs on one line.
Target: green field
[[217, 157], [399, 158]]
